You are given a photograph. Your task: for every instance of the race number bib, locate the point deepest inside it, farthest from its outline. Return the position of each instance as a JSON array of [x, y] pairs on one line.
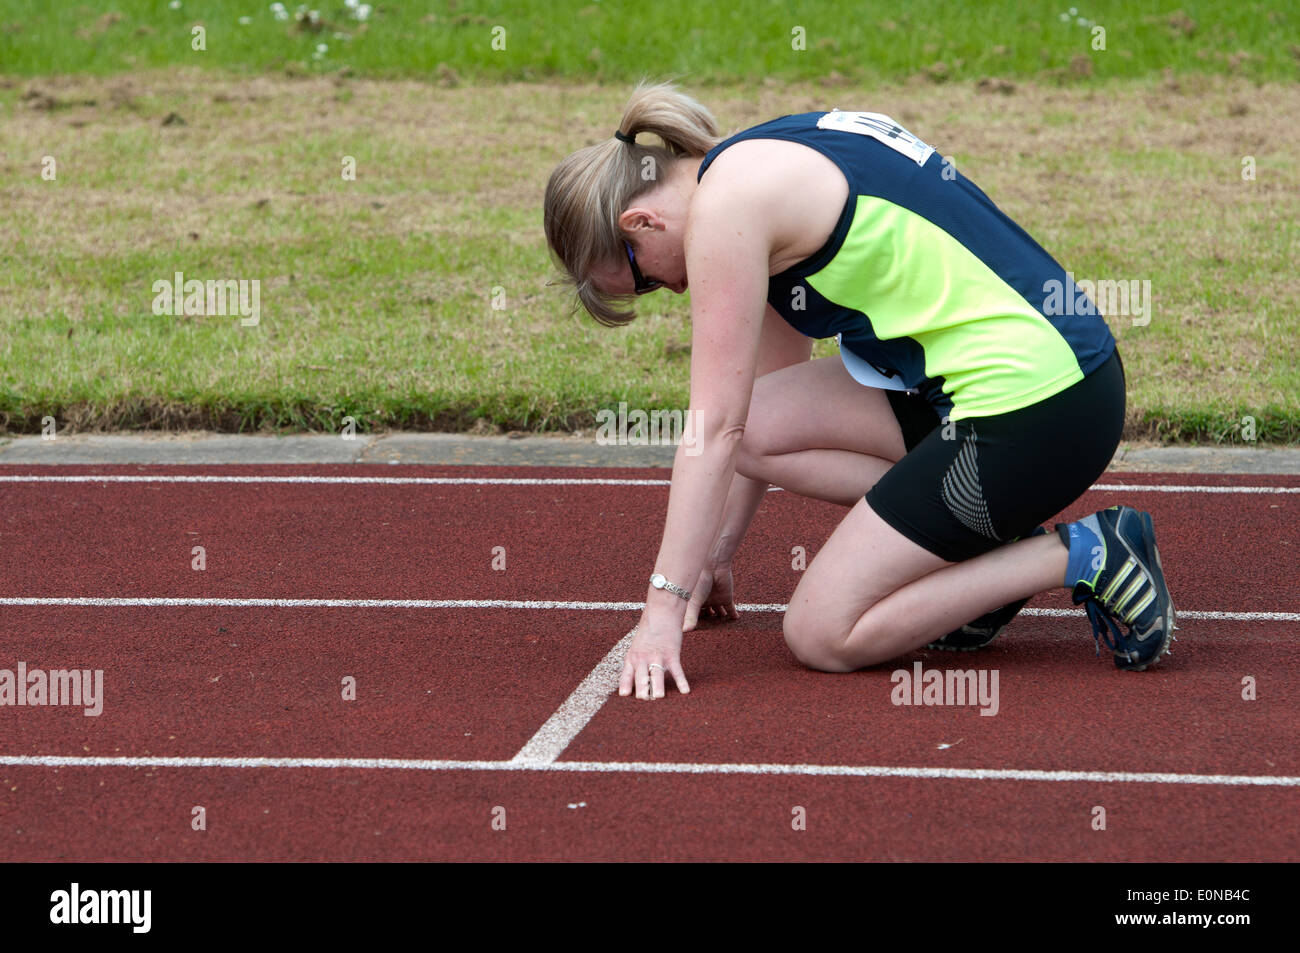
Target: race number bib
[[882, 129], [866, 373]]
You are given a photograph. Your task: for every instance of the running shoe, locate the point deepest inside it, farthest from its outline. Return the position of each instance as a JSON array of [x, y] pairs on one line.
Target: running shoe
[[1125, 582]]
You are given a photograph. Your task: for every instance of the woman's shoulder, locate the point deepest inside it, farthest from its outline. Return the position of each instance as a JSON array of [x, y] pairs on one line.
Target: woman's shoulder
[[795, 190], [766, 162], [788, 127]]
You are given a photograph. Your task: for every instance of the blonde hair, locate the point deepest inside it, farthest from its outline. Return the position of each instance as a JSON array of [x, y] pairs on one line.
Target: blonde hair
[[591, 188]]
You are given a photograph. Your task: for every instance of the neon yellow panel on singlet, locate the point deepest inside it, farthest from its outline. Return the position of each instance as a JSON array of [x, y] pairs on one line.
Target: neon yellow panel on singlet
[[995, 351]]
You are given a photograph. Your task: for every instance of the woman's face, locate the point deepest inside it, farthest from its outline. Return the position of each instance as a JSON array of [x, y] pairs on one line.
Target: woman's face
[[660, 257]]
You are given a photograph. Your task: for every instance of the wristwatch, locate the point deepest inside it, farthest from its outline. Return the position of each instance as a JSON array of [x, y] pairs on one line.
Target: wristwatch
[[660, 582]]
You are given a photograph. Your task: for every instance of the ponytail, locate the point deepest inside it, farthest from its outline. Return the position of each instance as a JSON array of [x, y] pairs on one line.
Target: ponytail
[[591, 188]]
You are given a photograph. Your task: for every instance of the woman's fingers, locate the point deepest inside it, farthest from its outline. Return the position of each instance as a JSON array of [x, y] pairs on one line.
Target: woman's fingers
[[652, 684], [641, 680], [638, 677], [712, 600], [645, 678], [679, 676], [720, 611], [698, 602], [626, 682], [656, 680], [646, 664]]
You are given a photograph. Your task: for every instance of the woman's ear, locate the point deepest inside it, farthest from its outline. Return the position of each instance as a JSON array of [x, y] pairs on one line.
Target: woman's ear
[[639, 218]]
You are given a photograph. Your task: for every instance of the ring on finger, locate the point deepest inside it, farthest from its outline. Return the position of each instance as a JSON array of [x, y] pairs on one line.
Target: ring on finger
[[656, 665]]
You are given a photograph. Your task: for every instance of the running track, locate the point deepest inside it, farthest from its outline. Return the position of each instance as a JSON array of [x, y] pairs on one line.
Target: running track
[[484, 693]]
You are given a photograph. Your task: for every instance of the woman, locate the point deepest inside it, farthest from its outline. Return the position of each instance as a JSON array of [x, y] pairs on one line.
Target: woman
[[989, 409]]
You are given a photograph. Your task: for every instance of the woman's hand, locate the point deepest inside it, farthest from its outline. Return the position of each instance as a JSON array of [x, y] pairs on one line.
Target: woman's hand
[[713, 598], [656, 648]]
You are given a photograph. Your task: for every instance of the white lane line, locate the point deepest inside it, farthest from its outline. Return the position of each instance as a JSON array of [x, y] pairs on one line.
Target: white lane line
[[527, 481], [658, 767], [1191, 488], [151, 602], [162, 602], [381, 481], [578, 709], [1207, 614]]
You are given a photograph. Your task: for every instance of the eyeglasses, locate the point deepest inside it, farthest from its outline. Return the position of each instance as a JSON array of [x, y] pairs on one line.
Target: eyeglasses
[[642, 284]]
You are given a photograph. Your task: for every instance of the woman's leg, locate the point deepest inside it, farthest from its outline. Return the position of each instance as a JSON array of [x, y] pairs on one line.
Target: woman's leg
[[815, 431], [871, 594], [812, 430], [925, 549]]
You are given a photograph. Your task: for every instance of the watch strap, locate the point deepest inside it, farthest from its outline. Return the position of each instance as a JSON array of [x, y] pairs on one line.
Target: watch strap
[[670, 587]]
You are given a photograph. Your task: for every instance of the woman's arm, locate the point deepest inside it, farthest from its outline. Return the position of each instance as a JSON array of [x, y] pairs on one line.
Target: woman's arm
[[727, 246], [779, 346]]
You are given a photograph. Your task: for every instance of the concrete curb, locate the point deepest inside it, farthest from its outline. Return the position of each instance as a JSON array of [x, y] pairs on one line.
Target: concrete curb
[[556, 450]]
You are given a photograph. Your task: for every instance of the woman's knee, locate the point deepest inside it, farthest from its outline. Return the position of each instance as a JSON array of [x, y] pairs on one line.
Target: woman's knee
[[813, 644], [757, 441], [750, 453]]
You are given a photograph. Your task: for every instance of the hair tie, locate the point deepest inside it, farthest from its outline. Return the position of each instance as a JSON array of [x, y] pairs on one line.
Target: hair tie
[[619, 135]]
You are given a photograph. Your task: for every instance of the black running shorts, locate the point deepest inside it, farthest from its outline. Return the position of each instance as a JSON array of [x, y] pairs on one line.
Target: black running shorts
[[967, 487]]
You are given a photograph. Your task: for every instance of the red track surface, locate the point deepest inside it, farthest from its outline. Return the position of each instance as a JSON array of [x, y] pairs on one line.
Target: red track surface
[[476, 684]]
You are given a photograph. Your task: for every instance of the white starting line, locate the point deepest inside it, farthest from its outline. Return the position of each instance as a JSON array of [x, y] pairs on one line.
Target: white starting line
[[661, 767], [525, 481], [304, 479], [550, 740]]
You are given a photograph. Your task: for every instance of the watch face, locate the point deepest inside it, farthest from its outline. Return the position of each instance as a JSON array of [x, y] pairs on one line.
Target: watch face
[[658, 580]]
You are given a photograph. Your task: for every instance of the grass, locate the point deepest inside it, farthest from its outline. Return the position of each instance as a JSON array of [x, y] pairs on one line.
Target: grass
[[494, 41], [378, 294]]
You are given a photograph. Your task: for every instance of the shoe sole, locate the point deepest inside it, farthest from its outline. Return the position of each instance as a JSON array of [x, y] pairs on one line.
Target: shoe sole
[[987, 642], [969, 648], [938, 644]]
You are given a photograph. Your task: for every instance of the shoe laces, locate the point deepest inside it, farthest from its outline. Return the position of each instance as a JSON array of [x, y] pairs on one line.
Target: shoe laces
[[1104, 627]]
